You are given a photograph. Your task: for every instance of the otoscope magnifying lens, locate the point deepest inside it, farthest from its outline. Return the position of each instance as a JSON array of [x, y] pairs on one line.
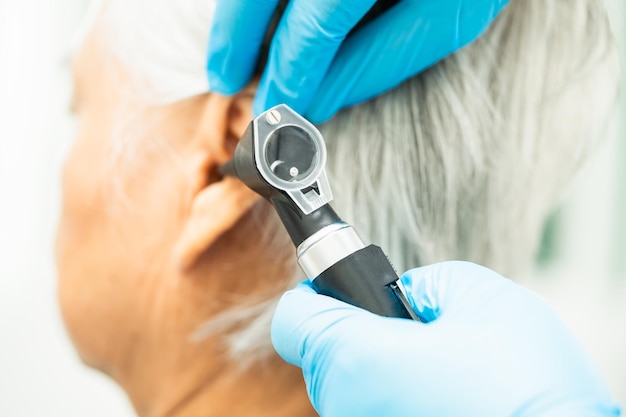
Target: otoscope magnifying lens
[[291, 153]]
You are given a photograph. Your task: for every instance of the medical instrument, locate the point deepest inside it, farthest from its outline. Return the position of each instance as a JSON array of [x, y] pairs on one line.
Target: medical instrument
[[282, 157]]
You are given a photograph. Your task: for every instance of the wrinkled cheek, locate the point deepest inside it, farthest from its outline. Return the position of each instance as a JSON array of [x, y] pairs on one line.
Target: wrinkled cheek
[[98, 302], [83, 292], [73, 300], [105, 295], [82, 261]]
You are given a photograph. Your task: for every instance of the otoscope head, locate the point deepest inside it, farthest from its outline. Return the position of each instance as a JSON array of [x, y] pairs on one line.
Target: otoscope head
[[282, 155], [291, 153]]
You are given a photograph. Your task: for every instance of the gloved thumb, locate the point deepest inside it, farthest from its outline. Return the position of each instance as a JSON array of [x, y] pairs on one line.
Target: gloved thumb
[[303, 318], [451, 287]]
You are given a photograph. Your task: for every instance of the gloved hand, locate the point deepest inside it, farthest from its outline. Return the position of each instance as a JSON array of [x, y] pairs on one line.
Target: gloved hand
[[314, 69], [490, 348]]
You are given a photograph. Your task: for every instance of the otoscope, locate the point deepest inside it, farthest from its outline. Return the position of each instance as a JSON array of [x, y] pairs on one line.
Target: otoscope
[[282, 157]]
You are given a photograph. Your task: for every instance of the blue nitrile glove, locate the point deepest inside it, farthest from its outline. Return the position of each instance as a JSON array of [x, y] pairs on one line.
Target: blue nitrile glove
[[491, 349], [313, 70]]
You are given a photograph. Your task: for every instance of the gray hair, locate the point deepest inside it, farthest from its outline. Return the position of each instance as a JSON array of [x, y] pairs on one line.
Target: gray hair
[[466, 160]]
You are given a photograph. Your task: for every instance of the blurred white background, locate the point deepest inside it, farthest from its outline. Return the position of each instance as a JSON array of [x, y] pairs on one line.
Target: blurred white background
[[40, 373]]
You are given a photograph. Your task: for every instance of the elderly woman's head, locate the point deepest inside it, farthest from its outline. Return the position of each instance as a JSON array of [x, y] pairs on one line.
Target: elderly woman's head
[[168, 273]]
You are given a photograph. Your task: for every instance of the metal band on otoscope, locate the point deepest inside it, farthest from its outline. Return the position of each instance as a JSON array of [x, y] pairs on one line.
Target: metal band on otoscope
[[326, 247]]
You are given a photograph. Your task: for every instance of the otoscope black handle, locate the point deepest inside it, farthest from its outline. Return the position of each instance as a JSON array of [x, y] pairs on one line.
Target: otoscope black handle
[[366, 279]]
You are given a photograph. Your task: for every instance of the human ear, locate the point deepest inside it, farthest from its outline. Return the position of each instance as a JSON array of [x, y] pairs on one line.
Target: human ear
[[217, 203]]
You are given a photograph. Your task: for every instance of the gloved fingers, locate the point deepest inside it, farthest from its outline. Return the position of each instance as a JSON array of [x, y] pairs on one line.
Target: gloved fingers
[[399, 44], [238, 30], [302, 49], [303, 318], [455, 287], [339, 346]]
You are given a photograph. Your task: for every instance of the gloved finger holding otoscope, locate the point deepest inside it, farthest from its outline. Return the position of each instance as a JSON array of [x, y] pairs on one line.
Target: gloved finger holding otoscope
[[282, 157]]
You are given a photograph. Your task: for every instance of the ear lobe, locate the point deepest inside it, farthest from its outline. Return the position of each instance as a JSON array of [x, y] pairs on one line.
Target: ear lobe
[[218, 205]]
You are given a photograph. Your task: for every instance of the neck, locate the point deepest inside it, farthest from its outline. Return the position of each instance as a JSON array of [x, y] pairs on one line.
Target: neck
[[271, 388]]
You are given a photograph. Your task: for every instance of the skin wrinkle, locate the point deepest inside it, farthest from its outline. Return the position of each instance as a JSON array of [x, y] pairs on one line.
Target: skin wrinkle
[[461, 162], [178, 408]]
